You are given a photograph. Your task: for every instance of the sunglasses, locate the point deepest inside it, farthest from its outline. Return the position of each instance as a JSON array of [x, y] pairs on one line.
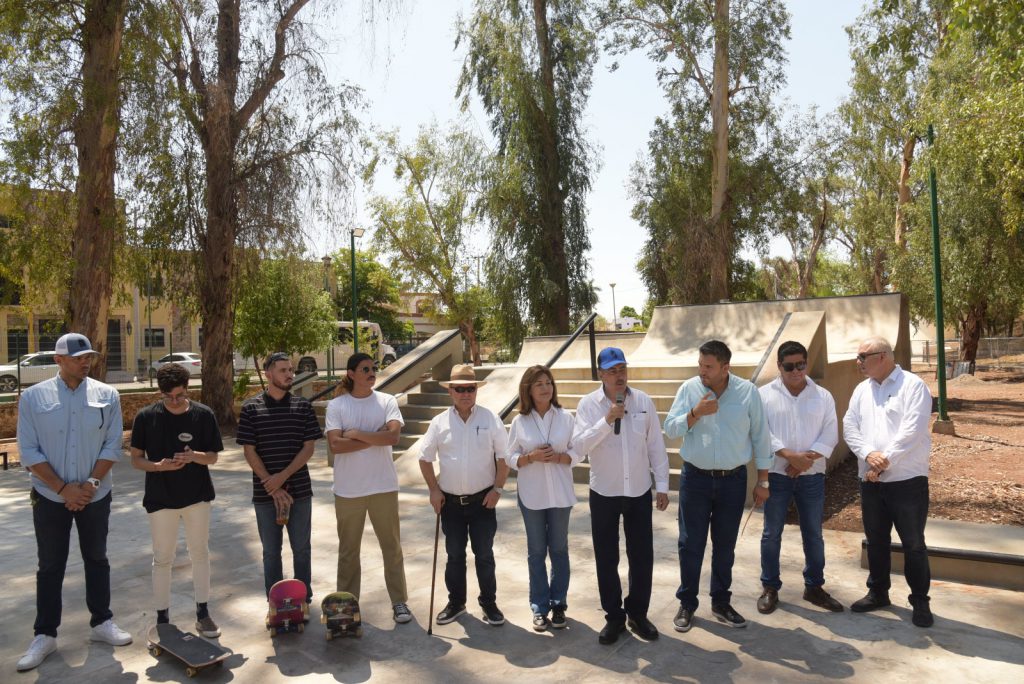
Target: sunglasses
[[790, 366], [861, 358], [368, 369], [464, 389]]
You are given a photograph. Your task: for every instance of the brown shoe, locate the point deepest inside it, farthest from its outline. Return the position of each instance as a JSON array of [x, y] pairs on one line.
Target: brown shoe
[[769, 600], [822, 599]]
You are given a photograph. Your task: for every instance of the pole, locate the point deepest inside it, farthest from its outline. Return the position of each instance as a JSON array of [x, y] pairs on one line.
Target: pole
[[355, 321], [943, 424], [615, 312], [149, 317]]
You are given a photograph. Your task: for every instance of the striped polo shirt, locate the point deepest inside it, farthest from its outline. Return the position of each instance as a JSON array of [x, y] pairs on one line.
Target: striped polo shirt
[[278, 430]]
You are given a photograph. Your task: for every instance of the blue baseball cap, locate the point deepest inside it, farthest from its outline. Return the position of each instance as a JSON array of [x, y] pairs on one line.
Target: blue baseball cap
[[73, 344], [609, 357]]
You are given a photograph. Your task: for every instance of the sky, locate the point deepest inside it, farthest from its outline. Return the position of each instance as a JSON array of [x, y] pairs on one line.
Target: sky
[[407, 67]]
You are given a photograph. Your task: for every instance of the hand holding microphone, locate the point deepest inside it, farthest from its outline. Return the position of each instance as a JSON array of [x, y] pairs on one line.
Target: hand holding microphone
[[619, 404]]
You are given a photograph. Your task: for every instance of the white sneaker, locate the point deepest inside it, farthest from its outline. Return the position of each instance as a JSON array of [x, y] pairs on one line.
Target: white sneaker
[[110, 633], [40, 647]]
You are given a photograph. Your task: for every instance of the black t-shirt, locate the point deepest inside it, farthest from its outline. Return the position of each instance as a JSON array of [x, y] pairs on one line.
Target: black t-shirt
[[160, 434], [278, 430]]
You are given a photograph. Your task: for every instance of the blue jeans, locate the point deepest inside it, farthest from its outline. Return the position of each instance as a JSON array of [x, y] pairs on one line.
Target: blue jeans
[[52, 523], [708, 502], [903, 505], [809, 493], [272, 535], [547, 533]]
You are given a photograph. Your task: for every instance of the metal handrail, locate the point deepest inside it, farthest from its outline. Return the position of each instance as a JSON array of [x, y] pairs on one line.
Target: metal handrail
[[388, 380], [586, 324]]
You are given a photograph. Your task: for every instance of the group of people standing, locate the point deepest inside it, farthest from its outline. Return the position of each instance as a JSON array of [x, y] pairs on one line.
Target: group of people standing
[[69, 434]]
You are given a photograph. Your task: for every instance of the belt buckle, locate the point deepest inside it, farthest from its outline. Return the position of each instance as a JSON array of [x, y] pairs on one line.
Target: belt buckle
[[463, 501]]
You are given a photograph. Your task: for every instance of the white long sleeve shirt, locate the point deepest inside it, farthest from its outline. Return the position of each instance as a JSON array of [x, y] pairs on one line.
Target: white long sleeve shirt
[[467, 450], [543, 485], [891, 417], [622, 464], [806, 422]]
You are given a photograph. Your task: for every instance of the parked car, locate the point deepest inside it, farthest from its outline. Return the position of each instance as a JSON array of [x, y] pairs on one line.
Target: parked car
[[35, 367], [190, 360]]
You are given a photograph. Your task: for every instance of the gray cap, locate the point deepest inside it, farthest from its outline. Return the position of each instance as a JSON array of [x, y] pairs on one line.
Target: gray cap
[[73, 344]]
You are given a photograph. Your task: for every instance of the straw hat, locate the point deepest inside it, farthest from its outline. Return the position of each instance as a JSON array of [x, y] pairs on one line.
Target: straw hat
[[463, 374]]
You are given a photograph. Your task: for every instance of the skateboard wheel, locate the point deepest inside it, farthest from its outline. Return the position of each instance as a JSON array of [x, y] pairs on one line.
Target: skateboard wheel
[[191, 671], [300, 628], [155, 651], [359, 631], [328, 635]]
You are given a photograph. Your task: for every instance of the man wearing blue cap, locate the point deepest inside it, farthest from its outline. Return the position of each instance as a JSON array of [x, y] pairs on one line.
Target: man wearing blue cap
[[617, 427], [69, 437]]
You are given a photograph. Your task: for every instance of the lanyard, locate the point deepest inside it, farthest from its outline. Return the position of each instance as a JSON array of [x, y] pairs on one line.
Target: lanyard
[[540, 429]]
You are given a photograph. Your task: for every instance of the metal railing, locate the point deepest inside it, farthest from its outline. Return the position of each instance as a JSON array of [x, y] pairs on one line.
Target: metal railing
[[588, 324]]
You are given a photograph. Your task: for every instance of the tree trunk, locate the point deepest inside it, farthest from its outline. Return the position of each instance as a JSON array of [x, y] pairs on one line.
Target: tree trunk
[[903, 190], [468, 332], [971, 329], [96, 130], [721, 229], [817, 240]]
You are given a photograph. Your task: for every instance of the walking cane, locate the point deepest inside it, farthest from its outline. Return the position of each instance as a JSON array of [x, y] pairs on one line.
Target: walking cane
[[433, 576], [744, 528]]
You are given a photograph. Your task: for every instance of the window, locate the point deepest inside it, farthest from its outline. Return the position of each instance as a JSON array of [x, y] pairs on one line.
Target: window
[[17, 338], [42, 360], [153, 337], [49, 331]]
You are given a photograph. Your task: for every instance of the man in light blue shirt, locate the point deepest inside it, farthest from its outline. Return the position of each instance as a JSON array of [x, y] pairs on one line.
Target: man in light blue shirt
[[69, 437], [721, 419]]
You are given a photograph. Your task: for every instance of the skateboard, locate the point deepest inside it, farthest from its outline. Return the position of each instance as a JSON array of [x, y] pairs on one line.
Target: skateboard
[[288, 608], [197, 653], [340, 613]]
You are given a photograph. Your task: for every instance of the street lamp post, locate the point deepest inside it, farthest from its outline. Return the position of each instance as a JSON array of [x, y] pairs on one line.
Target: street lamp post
[[615, 315], [355, 233], [465, 277], [329, 356]]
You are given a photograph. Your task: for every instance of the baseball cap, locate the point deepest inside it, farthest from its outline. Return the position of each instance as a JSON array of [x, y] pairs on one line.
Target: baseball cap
[[609, 357], [73, 344]]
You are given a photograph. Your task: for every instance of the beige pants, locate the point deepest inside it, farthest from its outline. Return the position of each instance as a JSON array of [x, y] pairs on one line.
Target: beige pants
[[351, 514], [164, 526]]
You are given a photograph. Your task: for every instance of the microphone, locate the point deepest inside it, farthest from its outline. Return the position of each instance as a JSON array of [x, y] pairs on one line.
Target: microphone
[[618, 421]]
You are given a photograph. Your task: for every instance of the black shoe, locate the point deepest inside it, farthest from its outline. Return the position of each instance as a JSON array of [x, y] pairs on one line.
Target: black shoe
[[922, 612], [769, 600], [643, 628], [450, 612], [610, 633], [728, 616], [871, 601], [492, 615], [683, 620], [558, 618], [821, 598], [541, 623]]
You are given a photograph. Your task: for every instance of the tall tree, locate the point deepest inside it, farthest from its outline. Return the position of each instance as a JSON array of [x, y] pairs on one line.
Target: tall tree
[[378, 292], [531, 66], [59, 110], [743, 42]]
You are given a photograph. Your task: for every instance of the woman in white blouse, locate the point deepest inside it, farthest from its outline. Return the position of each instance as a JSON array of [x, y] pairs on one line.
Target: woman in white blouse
[[540, 450]]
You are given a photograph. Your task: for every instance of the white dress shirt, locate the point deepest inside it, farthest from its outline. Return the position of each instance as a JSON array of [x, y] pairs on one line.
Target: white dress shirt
[[466, 450], [543, 485], [806, 422], [371, 470], [621, 465], [891, 417]]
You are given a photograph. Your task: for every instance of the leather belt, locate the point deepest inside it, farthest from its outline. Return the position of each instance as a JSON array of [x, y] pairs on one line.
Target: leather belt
[[716, 473], [466, 499]]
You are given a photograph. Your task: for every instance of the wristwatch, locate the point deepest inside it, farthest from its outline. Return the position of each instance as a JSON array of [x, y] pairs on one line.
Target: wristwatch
[[499, 490], [762, 483], [94, 482]]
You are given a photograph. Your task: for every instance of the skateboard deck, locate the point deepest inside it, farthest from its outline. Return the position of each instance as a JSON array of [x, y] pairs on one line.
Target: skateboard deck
[[197, 653], [288, 610], [340, 614]]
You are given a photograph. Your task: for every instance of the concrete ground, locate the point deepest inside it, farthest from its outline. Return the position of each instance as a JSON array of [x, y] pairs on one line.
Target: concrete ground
[[978, 634]]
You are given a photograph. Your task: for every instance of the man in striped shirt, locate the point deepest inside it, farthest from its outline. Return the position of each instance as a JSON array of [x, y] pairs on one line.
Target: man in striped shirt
[[278, 432]]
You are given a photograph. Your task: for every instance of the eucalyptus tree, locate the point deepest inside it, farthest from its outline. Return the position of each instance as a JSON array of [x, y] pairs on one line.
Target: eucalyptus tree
[[530, 64]]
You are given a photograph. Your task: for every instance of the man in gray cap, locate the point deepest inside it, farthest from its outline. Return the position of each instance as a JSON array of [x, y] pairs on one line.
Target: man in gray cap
[[69, 437]]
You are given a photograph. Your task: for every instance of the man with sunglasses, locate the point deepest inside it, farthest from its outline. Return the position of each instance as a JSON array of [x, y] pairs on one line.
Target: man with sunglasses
[[469, 443], [886, 427], [362, 426], [69, 437], [174, 441], [804, 431], [278, 432]]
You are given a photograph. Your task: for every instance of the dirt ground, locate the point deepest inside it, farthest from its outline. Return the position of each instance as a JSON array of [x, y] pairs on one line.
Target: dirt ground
[[976, 475]]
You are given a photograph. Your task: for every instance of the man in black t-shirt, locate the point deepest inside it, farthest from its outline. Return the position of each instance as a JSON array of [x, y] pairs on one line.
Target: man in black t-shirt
[[174, 441], [278, 432]]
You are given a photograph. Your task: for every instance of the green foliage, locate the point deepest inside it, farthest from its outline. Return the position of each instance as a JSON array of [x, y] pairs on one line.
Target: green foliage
[[628, 312], [377, 292], [531, 69], [283, 307], [241, 386]]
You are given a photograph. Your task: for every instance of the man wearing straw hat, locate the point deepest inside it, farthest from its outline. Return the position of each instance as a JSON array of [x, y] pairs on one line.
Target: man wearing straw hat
[[469, 443]]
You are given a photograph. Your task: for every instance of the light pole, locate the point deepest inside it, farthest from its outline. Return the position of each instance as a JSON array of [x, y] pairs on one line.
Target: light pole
[[465, 277], [615, 315], [355, 233], [329, 356]]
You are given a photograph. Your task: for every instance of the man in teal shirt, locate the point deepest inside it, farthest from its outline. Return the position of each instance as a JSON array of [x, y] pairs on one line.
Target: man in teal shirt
[[721, 419]]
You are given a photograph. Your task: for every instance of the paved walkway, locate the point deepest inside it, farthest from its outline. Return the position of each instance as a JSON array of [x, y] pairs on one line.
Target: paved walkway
[[978, 634]]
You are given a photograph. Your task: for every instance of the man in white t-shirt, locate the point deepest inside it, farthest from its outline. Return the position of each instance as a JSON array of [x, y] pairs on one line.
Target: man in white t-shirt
[[362, 425]]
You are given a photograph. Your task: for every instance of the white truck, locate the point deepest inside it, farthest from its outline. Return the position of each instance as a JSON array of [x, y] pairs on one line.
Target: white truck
[[370, 342]]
